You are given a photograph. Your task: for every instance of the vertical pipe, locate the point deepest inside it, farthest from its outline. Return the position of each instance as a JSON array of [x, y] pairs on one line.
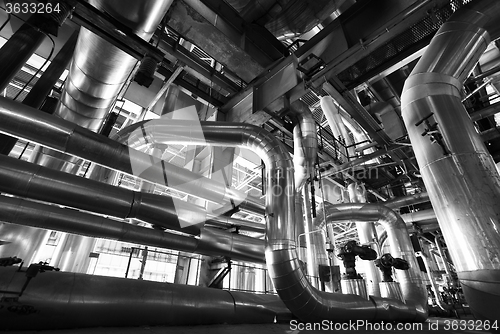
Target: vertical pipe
[[459, 173], [367, 236]]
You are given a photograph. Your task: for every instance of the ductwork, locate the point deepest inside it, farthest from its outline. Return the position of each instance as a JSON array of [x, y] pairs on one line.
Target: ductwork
[[62, 300], [212, 242], [459, 173], [52, 132], [99, 69], [301, 298]]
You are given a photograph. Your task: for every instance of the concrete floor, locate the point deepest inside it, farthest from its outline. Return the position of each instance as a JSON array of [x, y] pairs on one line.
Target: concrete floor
[[433, 325]]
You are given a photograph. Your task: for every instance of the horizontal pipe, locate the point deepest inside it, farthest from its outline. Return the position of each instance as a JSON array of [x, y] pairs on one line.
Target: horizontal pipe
[[419, 216], [212, 242], [55, 133], [24, 179], [398, 202], [63, 300]]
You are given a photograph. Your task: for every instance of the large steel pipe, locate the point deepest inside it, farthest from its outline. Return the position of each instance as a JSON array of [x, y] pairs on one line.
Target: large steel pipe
[[55, 133], [61, 300], [398, 202], [305, 143], [24, 179], [459, 173], [367, 235], [283, 264], [212, 242], [99, 69], [401, 246]]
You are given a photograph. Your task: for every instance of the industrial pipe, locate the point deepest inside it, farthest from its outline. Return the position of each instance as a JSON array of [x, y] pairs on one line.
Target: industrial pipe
[[367, 235], [459, 173], [301, 298], [399, 202], [63, 300], [55, 133], [211, 241], [401, 246], [337, 126], [21, 178], [305, 143]]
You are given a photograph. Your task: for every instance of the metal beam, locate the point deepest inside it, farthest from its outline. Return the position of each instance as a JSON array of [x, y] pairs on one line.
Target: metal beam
[[184, 18]]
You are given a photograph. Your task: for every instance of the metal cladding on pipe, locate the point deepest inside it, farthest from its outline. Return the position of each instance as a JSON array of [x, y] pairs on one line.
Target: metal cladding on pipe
[[55, 133], [411, 282], [211, 241], [24, 179], [63, 300], [289, 280], [419, 216], [367, 235], [398, 202], [305, 143], [99, 69], [459, 173], [176, 177], [336, 124]]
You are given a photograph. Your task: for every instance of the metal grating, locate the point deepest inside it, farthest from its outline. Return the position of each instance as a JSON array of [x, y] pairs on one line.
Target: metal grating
[[420, 31]]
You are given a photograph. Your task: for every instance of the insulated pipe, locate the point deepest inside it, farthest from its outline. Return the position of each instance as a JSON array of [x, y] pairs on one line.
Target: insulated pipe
[[305, 302], [24, 179], [212, 242], [367, 235], [459, 173], [55, 133], [399, 202], [400, 243], [418, 216], [173, 176], [336, 124], [305, 143], [99, 69], [62, 300]]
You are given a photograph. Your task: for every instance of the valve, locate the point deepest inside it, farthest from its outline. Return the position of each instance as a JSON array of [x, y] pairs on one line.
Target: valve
[[348, 253], [386, 262], [33, 270], [9, 261]]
